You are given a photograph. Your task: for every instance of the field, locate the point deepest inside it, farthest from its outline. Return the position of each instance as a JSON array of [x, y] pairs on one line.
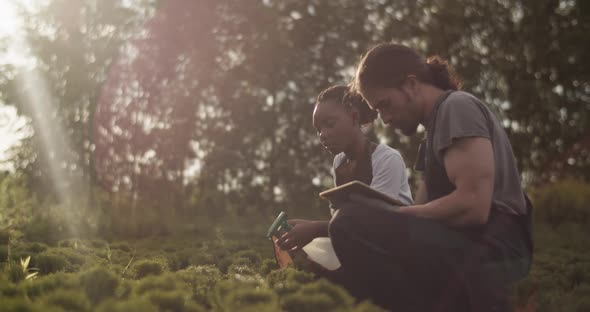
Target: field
[[229, 268]]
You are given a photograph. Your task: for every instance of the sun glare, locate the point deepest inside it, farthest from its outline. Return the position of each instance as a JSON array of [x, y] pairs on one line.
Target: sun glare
[[9, 24], [36, 96], [9, 21]]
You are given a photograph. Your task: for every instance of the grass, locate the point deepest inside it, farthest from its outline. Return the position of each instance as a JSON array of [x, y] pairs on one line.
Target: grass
[[233, 269]]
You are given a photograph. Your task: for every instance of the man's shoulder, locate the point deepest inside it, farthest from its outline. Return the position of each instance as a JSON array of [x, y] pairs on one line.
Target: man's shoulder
[[463, 103], [462, 97]]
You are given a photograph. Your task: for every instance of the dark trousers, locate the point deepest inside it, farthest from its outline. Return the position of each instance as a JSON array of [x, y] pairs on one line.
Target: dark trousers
[[404, 263]]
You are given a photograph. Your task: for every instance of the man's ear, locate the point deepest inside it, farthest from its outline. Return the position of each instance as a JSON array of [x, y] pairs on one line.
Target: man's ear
[[411, 85]]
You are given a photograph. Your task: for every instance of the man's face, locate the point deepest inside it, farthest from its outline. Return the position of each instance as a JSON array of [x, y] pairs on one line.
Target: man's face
[[396, 108]]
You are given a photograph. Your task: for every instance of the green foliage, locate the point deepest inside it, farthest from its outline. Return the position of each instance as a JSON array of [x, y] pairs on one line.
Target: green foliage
[[133, 305], [9, 289], [288, 280], [241, 266], [22, 305], [168, 300], [179, 260], [247, 295], [320, 295], [16, 204], [4, 253], [267, 266], [14, 272], [99, 284], [19, 271], [252, 256], [121, 246], [146, 267], [166, 282], [50, 262], [35, 248], [49, 283], [201, 280], [4, 237], [560, 276], [68, 300], [45, 229], [563, 202], [251, 299]]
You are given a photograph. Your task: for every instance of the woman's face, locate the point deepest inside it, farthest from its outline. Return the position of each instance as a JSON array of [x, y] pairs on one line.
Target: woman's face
[[334, 124]]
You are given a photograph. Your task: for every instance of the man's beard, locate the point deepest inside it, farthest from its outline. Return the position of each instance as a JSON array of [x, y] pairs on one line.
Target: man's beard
[[409, 131]]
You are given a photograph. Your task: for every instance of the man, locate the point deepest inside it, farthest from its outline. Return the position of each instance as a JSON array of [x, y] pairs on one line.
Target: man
[[468, 236]]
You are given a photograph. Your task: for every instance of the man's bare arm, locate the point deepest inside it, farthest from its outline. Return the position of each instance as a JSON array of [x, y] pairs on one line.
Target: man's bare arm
[[421, 196], [469, 163]]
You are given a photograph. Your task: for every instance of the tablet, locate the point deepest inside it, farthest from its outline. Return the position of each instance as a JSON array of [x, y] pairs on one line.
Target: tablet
[[341, 193]]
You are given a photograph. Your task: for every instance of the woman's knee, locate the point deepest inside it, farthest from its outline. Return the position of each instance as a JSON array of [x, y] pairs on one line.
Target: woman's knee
[[340, 225]]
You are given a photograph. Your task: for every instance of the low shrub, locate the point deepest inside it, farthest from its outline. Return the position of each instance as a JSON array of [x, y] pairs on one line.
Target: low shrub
[[252, 299], [562, 202], [68, 300], [4, 237], [49, 283], [165, 282], [319, 296], [201, 280], [35, 248], [3, 253], [146, 267], [132, 305], [14, 271], [267, 266], [98, 243], [179, 260], [45, 229], [167, 300], [23, 305], [50, 262], [288, 280], [124, 290], [252, 256], [99, 284], [241, 266], [9, 289], [121, 246], [227, 293]]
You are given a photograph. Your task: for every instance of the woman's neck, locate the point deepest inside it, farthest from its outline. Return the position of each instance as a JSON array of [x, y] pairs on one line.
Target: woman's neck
[[357, 146]]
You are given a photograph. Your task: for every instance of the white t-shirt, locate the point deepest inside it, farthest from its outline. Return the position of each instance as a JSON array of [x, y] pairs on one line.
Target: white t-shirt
[[389, 173], [389, 177]]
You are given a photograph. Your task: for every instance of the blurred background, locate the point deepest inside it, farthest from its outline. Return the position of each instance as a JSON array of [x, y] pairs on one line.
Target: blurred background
[[139, 117]]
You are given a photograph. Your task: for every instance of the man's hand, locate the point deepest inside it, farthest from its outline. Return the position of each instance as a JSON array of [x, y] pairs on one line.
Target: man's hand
[[302, 232]]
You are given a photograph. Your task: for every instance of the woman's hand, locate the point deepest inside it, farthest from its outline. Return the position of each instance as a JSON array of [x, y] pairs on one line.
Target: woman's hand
[[301, 233]]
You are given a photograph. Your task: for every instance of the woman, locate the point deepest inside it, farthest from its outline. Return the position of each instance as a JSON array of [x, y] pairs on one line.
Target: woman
[[338, 117]]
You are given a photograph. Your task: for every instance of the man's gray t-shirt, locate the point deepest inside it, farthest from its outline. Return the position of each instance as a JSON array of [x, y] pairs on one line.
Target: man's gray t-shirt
[[462, 115]]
